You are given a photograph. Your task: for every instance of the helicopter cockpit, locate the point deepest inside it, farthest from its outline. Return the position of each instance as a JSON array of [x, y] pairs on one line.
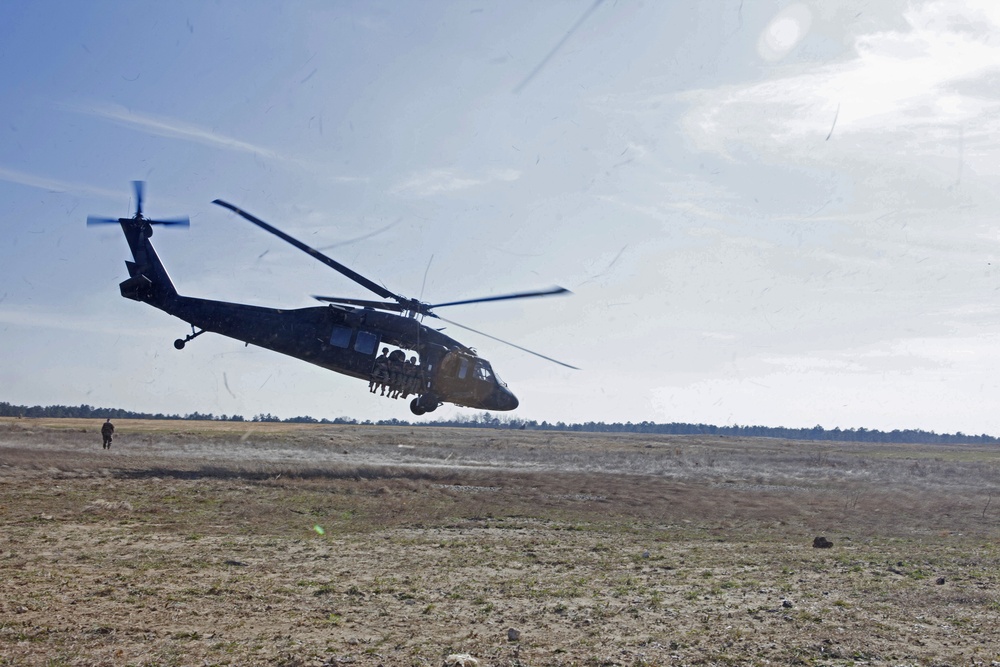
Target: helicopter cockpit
[[469, 380]]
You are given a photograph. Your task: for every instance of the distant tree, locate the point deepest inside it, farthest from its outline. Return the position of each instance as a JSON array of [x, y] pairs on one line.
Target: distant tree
[[488, 420], [301, 420]]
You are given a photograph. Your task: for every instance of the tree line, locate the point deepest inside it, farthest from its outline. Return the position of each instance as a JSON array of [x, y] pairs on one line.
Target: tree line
[[487, 420]]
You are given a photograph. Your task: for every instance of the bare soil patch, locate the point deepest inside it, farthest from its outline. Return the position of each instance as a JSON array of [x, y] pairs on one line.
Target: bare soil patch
[[213, 543]]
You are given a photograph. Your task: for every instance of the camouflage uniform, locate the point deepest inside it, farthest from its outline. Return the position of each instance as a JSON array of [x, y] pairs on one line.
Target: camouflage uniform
[[107, 431], [380, 372]]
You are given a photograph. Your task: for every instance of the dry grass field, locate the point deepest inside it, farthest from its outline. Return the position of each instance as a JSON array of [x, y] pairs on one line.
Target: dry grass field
[[216, 543]]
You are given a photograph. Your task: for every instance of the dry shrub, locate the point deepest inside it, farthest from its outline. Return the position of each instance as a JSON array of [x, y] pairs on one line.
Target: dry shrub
[[108, 506]]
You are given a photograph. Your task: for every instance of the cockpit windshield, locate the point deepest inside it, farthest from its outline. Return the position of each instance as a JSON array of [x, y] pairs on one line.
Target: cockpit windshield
[[483, 371]]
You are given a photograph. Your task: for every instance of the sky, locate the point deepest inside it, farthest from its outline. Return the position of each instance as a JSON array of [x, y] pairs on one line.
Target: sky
[[768, 213]]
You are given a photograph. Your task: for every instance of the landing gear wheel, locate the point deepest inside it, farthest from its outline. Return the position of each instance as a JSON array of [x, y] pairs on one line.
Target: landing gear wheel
[[416, 407], [180, 342]]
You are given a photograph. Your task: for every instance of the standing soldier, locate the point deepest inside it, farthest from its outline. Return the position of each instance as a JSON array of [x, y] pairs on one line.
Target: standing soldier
[[107, 430]]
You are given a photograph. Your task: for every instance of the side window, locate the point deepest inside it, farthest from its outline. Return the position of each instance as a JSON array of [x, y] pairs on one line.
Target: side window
[[366, 342], [463, 369], [341, 337], [483, 372]]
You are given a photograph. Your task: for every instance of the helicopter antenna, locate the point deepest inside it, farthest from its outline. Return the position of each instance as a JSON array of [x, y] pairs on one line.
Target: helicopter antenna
[[426, 271], [363, 236]]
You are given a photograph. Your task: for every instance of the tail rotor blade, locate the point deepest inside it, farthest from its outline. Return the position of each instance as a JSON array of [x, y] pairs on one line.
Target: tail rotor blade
[[137, 220], [140, 189], [95, 220], [180, 222]]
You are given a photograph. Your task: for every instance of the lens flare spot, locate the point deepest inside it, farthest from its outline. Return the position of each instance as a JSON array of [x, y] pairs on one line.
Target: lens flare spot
[[784, 32], [319, 529]]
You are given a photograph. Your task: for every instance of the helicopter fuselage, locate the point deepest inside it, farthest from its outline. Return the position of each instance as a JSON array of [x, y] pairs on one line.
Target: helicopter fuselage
[[340, 338]]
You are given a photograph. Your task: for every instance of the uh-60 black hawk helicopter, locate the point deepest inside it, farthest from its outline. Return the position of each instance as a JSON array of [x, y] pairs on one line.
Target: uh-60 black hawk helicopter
[[344, 336]]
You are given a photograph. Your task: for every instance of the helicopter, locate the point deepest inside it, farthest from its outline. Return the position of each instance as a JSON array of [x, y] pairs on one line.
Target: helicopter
[[343, 336]]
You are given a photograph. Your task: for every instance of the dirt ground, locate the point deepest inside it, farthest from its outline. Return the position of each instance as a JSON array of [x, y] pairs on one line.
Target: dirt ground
[[216, 543]]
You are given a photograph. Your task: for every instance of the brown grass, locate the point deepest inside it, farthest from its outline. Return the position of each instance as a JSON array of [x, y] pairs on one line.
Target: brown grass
[[226, 543]]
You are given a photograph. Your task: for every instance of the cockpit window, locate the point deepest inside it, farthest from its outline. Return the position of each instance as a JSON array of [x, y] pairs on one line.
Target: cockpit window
[[484, 372]]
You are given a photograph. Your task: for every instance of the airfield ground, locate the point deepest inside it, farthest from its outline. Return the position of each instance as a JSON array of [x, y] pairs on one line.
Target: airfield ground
[[216, 543]]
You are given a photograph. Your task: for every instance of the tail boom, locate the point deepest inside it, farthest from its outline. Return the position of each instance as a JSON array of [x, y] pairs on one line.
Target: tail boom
[[148, 280]]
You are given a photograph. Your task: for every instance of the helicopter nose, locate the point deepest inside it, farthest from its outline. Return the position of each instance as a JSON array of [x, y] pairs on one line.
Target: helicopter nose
[[504, 399]]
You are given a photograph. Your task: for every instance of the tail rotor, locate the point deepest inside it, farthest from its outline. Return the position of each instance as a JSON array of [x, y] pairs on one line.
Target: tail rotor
[[138, 219], [140, 189]]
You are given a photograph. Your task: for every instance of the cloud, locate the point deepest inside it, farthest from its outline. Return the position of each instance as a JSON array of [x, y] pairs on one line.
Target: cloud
[[35, 318], [906, 381], [349, 179], [161, 126], [54, 185], [440, 181], [172, 128], [925, 84], [675, 203]]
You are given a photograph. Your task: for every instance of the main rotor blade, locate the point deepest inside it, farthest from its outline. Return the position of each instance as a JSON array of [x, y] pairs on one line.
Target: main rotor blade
[[333, 264], [140, 189], [503, 297], [95, 220], [505, 342], [364, 303]]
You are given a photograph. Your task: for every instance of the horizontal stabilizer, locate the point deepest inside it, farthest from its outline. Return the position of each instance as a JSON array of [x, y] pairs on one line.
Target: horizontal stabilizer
[[137, 288]]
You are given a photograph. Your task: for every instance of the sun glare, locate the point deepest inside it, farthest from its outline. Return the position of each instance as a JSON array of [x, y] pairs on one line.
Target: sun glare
[[784, 32]]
